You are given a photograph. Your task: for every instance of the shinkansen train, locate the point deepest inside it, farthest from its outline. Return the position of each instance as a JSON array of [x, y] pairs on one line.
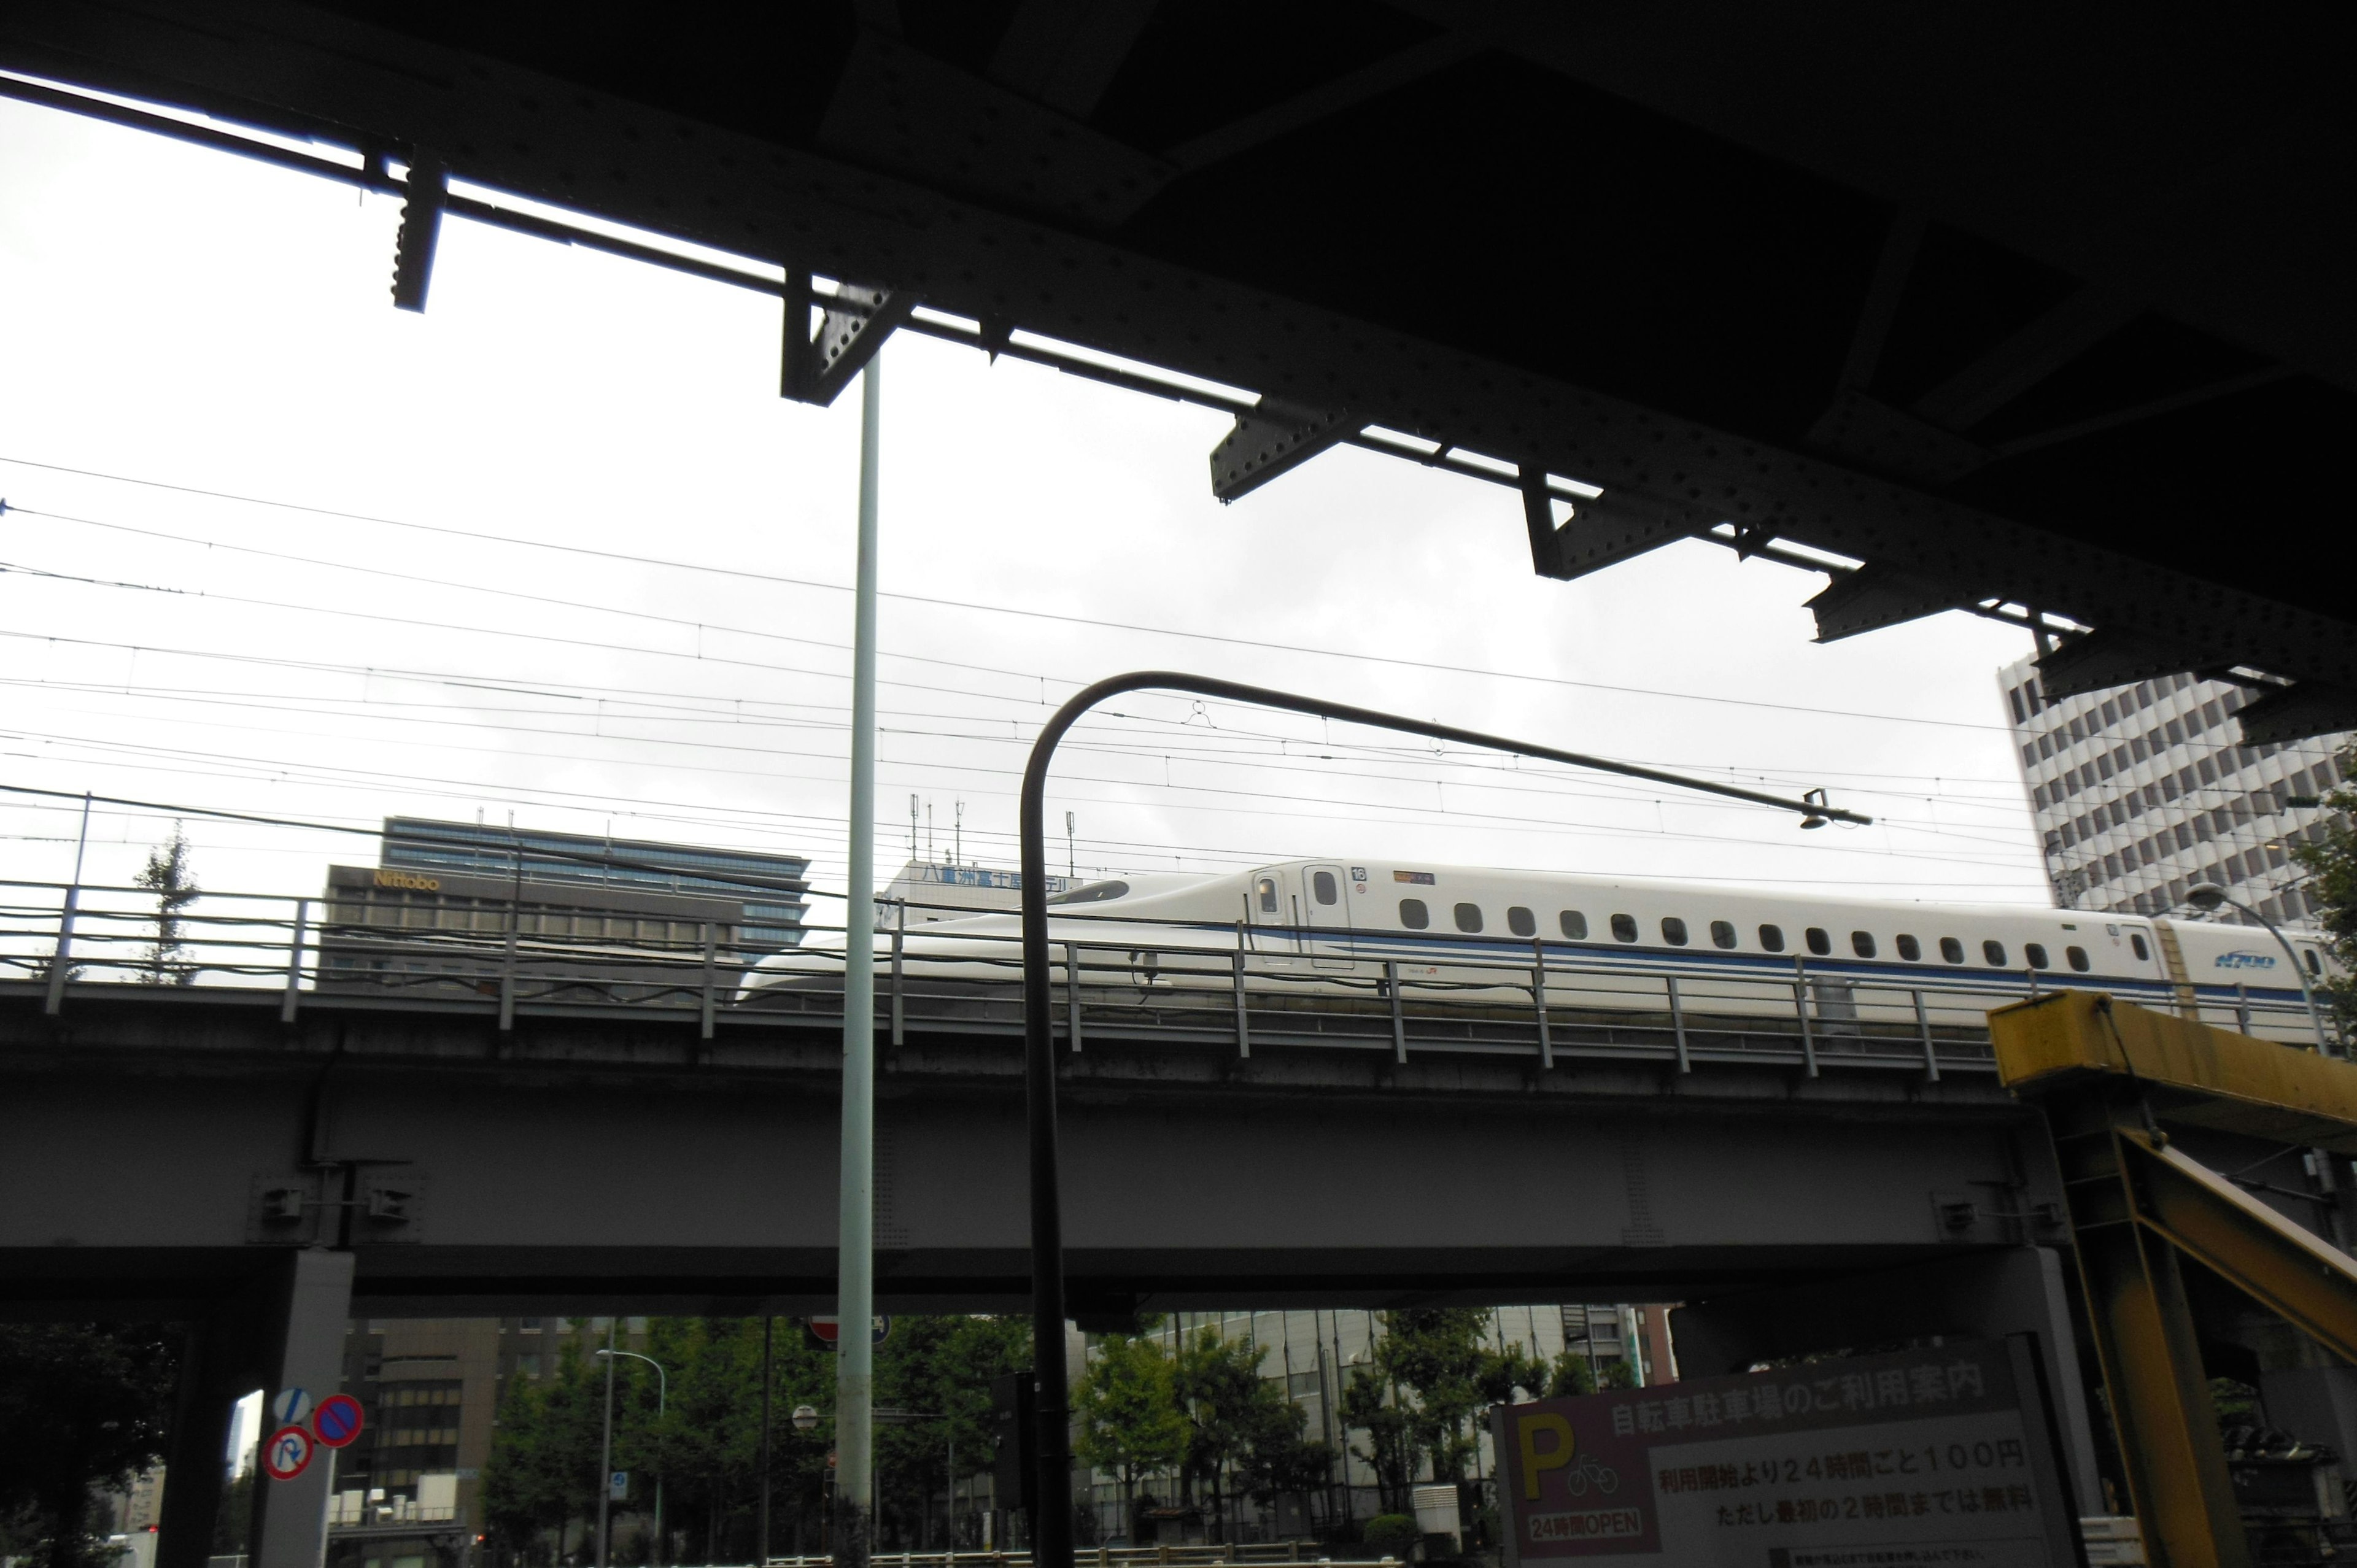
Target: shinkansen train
[[1351, 930]]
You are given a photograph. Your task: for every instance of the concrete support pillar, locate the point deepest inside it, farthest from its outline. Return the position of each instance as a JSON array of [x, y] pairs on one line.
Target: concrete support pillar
[[314, 1300], [215, 1368], [1980, 1294]]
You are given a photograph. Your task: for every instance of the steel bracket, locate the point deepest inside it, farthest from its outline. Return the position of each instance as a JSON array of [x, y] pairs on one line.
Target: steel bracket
[[814, 367], [1275, 437], [421, 231], [1876, 595], [1593, 536]]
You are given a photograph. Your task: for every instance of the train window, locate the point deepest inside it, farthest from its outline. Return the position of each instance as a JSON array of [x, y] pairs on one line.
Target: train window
[[1951, 950], [1574, 924], [1862, 943], [1413, 914], [1992, 954], [1722, 933], [1522, 922], [2315, 965], [1469, 916], [1266, 888], [1910, 949], [2136, 946], [1772, 938], [1624, 928], [2036, 954], [1324, 888], [1819, 943], [2077, 959], [1673, 930]]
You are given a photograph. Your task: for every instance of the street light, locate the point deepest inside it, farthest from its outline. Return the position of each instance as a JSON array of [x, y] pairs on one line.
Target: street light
[[2208, 897], [1051, 1530], [662, 1402]]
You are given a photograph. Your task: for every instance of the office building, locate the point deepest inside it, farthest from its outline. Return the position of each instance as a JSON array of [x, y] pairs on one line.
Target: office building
[[459, 907], [2141, 791]]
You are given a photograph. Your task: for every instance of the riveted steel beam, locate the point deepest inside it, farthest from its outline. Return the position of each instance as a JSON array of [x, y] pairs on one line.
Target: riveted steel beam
[[1273, 439]]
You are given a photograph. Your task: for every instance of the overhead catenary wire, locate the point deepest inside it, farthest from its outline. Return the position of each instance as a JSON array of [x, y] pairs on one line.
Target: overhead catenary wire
[[781, 579]]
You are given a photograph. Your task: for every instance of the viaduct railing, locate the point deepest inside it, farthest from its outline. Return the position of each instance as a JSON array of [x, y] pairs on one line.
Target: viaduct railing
[[1201, 987]]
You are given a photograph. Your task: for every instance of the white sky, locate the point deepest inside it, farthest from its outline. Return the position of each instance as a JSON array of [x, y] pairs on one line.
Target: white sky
[[179, 315]]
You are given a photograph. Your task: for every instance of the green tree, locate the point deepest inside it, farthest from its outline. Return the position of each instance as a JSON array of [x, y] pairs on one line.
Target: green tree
[[2332, 867], [1570, 1375], [1438, 1374], [168, 875], [82, 1406], [941, 1366], [1243, 1435], [1130, 1421]]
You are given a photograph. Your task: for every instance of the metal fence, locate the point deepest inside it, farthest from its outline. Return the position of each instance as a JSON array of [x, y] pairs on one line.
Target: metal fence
[[1178, 985]]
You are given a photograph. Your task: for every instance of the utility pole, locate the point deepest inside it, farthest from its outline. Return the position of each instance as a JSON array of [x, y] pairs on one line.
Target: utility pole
[[854, 1375], [769, 1328], [606, 1449]]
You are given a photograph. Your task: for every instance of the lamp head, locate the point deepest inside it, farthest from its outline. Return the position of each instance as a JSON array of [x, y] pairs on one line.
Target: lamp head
[[2206, 896], [1815, 818], [806, 1418]]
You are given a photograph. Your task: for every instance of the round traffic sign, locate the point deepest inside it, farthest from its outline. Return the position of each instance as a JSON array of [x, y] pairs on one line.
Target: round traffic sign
[[338, 1421], [827, 1330], [288, 1454], [291, 1405]]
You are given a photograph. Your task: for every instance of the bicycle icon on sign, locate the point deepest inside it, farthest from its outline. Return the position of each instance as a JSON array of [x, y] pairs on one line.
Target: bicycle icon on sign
[[1590, 1469]]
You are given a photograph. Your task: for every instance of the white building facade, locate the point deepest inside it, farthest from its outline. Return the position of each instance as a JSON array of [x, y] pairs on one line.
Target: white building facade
[[2141, 791]]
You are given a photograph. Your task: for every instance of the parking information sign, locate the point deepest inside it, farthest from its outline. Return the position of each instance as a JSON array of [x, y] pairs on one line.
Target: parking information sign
[[1940, 1456]]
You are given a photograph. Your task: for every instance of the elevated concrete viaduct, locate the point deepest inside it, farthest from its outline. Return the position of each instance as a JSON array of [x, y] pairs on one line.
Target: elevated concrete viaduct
[[159, 1145]]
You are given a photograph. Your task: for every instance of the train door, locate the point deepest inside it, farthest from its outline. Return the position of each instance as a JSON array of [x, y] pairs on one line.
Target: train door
[[1326, 914], [1273, 908]]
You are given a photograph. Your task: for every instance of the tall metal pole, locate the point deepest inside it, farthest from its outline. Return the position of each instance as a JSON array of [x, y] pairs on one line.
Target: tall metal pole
[[1051, 1531], [768, 1333], [854, 1366], [606, 1449]]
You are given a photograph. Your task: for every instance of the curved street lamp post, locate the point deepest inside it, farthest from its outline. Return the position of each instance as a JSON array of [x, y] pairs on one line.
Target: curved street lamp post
[[2209, 895], [662, 1402], [1051, 1531]]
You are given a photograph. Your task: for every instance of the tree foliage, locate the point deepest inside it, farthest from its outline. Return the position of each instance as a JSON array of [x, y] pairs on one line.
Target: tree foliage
[[82, 1406], [703, 1441], [1128, 1409], [168, 874], [1244, 1433], [2332, 867], [1429, 1375]]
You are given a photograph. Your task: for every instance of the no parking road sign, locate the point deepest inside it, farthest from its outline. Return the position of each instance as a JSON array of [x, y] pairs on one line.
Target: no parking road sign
[[338, 1421], [288, 1454], [827, 1331]]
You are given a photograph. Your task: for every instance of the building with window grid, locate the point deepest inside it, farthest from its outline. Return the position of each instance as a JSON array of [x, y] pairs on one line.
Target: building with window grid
[[2141, 791], [770, 887]]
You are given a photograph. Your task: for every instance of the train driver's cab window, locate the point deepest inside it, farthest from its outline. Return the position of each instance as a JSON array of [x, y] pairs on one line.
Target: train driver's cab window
[[1910, 949], [1469, 916], [2314, 964], [1722, 933], [1324, 888], [1992, 954], [2144, 953], [1862, 943], [2077, 959], [2036, 954], [1413, 914], [1951, 950], [1265, 888], [1673, 930], [1819, 943], [1772, 938], [1522, 922], [1574, 924], [1624, 928]]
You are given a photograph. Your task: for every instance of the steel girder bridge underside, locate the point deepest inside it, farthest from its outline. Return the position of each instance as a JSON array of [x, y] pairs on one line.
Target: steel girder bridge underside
[[2032, 317]]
